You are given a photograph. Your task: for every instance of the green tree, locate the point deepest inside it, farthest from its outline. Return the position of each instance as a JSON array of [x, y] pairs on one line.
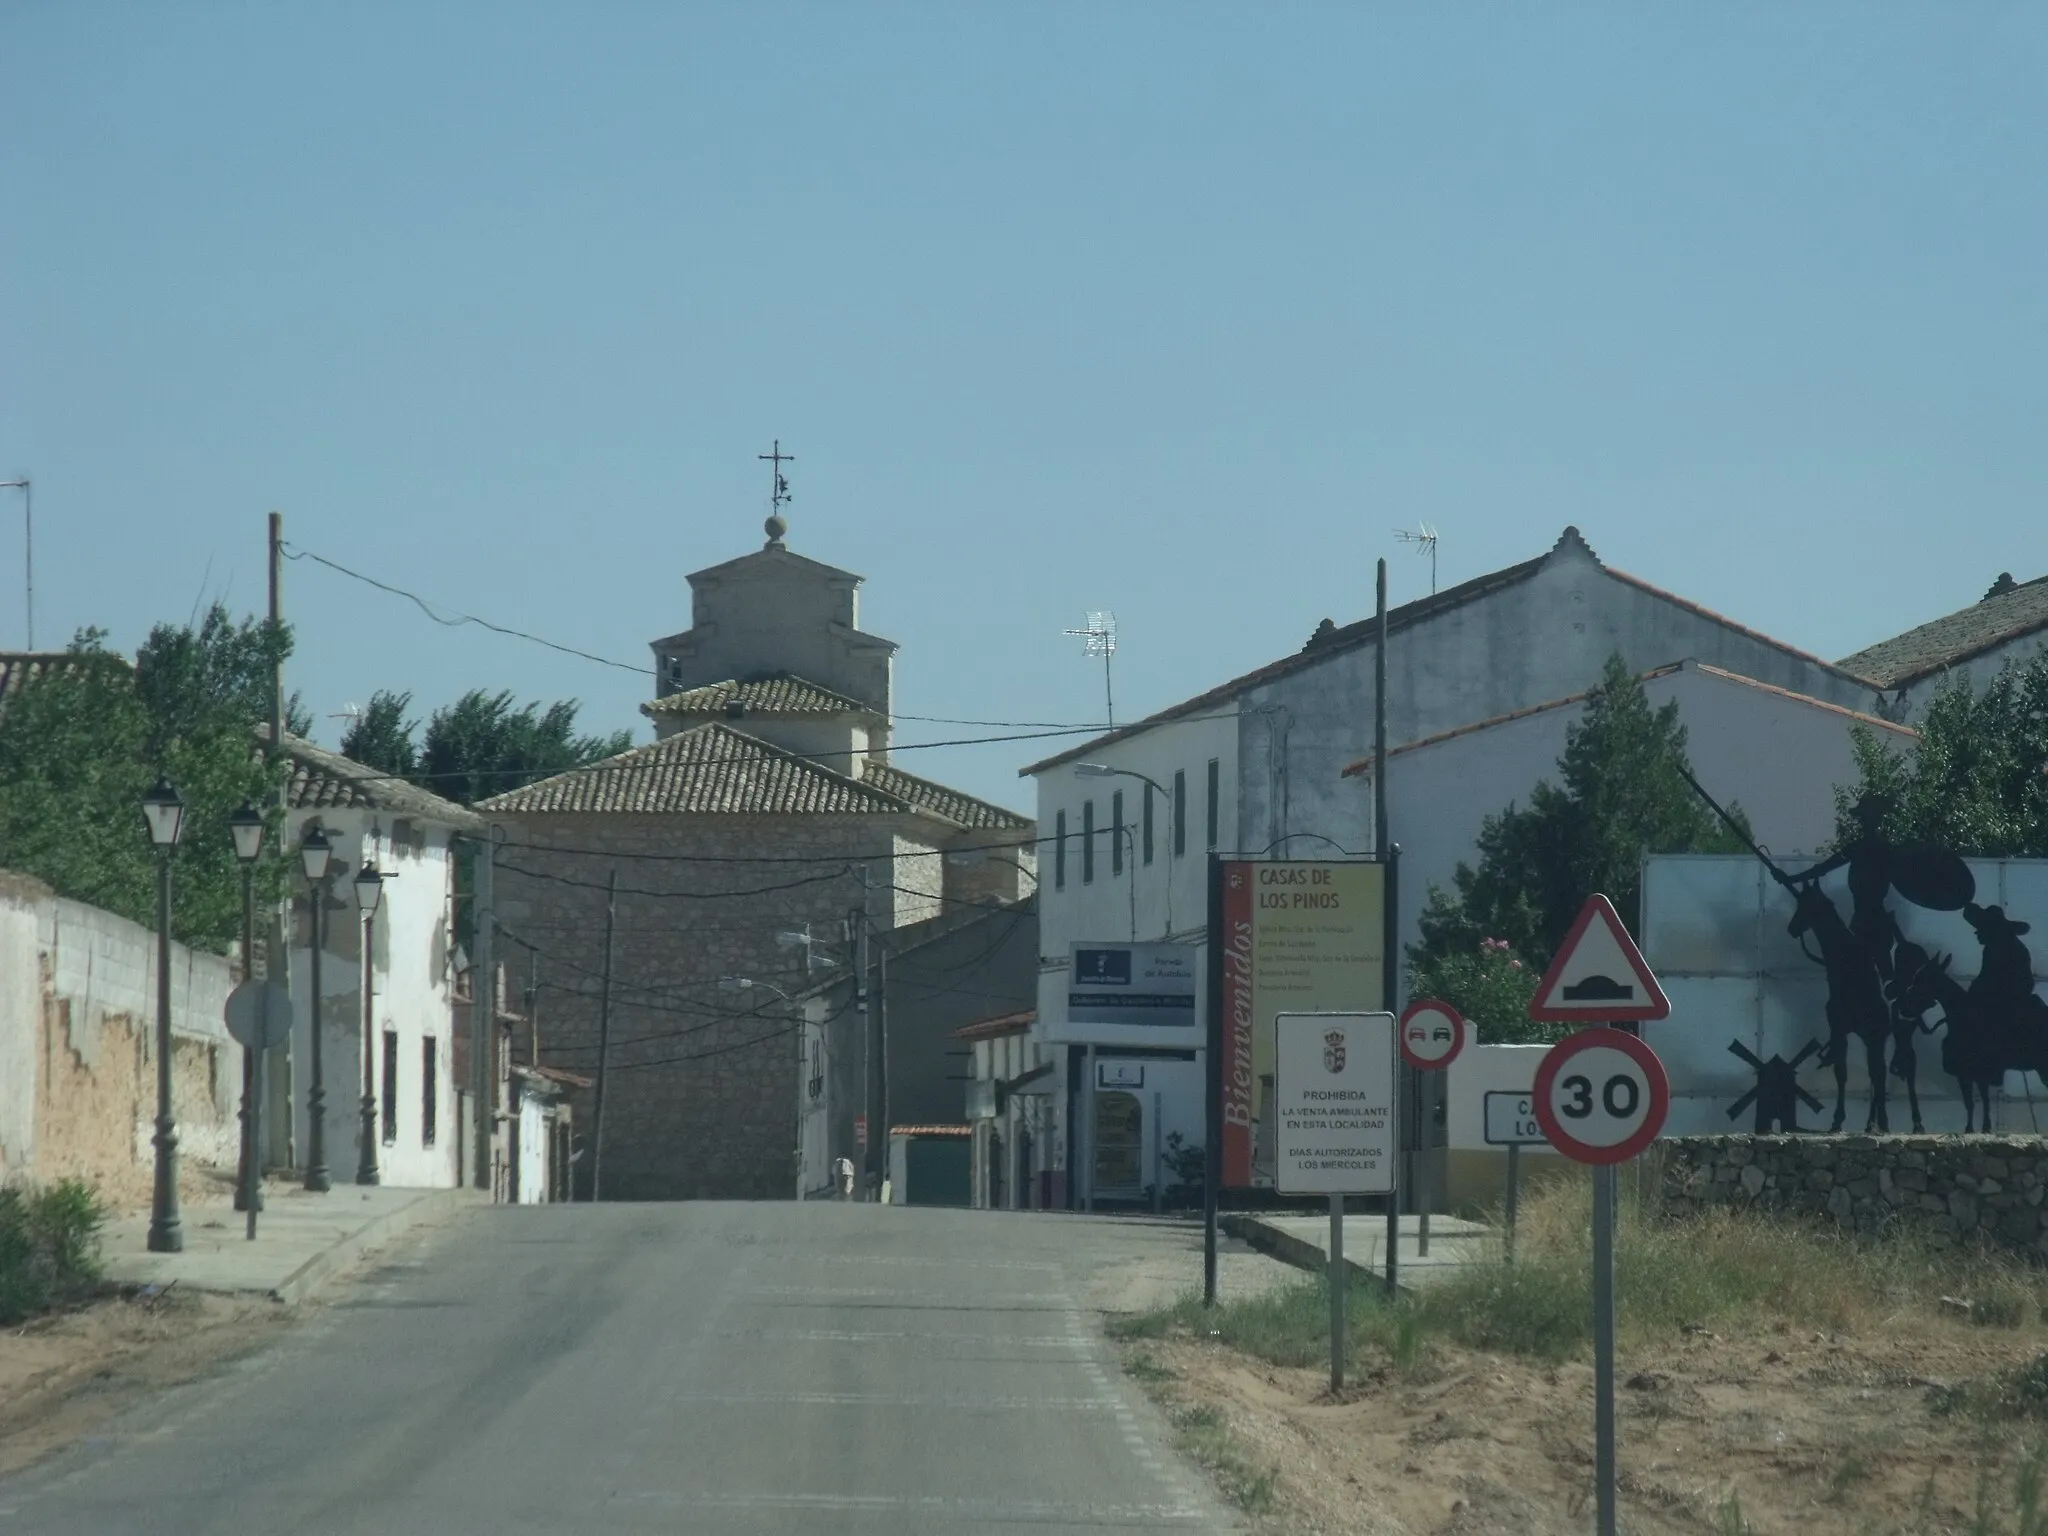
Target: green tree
[[1619, 796], [382, 738], [80, 745], [1978, 781], [481, 745]]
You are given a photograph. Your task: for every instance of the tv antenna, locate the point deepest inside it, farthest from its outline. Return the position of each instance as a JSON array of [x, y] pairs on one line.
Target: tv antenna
[[1100, 635], [1423, 540]]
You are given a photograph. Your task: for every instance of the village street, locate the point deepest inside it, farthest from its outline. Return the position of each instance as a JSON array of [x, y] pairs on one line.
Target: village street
[[707, 1367]]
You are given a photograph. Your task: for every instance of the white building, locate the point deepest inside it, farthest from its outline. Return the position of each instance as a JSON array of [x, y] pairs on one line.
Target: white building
[[1777, 754], [409, 835], [1256, 765]]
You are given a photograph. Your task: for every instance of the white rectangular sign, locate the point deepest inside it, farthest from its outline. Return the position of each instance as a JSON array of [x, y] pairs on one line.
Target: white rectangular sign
[[1333, 1093], [1511, 1121]]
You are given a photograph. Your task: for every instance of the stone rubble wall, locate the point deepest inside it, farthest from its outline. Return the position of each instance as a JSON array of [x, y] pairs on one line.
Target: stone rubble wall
[[1953, 1188]]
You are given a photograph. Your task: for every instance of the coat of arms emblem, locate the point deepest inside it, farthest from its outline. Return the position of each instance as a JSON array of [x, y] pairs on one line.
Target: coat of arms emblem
[[1333, 1051]]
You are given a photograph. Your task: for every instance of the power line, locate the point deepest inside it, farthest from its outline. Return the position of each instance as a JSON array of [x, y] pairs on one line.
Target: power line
[[457, 620]]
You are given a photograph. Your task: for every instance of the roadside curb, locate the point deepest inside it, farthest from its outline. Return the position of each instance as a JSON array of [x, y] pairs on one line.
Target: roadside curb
[[431, 1205], [1286, 1247]]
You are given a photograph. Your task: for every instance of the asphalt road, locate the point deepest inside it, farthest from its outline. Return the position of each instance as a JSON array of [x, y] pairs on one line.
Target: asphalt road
[[703, 1368]]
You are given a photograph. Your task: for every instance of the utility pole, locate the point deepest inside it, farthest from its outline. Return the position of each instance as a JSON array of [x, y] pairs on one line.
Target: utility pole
[[879, 1135], [28, 538], [867, 1055], [604, 1035], [285, 1134], [483, 1001], [1403, 1076]]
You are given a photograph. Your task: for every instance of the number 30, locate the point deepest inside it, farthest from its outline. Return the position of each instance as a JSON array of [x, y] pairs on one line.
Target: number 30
[[1619, 1096]]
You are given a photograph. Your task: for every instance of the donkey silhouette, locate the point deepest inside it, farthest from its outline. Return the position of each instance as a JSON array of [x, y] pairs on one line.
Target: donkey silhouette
[[1996, 1025]]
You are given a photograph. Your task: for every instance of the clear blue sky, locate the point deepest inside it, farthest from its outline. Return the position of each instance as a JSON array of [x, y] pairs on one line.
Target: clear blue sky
[[1174, 309]]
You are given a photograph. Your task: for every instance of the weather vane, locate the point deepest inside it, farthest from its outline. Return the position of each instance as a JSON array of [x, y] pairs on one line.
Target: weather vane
[[779, 495]]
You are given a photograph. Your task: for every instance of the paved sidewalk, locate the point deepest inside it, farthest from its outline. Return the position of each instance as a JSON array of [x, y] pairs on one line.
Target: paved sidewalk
[[301, 1238], [1304, 1241]]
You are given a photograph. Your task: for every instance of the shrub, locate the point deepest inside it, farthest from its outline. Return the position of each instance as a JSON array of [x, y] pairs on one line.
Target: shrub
[[49, 1246]]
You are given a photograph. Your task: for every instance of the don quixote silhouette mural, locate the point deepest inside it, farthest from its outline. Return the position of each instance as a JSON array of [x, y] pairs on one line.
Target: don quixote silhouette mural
[[1885, 991]]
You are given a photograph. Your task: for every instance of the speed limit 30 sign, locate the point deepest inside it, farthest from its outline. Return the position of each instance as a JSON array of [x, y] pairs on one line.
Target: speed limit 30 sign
[[1601, 1096]]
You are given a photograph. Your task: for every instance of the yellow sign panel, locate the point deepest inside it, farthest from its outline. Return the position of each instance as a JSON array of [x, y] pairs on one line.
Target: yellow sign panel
[[1318, 944]]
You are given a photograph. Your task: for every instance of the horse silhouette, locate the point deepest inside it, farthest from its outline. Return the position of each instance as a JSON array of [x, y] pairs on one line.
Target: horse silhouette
[[1857, 1005], [1996, 1025]]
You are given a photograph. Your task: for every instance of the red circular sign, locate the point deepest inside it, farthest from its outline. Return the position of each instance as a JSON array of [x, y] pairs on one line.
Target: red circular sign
[[1432, 1033], [1601, 1096]]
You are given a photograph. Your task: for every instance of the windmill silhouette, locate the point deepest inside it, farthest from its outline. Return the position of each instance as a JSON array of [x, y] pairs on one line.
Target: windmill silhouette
[[1777, 1094]]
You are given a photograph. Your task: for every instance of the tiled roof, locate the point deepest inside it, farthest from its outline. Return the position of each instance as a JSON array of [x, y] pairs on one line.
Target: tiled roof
[[711, 769], [20, 668], [781, 694], [941, 801], [1364, 764], [326, 781], [2007, 612], [962, 1131], [1001, 1024]]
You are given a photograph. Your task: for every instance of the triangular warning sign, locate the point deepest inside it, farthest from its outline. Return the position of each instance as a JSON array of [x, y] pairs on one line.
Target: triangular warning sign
[[1598, 975]]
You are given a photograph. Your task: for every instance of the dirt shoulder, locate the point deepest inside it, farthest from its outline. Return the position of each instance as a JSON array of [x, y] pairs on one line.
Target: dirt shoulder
[[67, 1374], [1816, 1433]]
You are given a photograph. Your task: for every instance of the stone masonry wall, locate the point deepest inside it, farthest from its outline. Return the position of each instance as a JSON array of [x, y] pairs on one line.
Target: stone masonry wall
[[702, 1093], [1952, 1187]]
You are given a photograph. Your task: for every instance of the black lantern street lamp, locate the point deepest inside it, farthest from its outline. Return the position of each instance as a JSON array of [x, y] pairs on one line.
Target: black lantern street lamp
[[164, 813], [246, 826], [314, 852], [369, 891]]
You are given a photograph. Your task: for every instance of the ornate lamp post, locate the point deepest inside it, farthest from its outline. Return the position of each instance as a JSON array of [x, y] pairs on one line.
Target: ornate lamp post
[[164, 813], [246, 825], [369, 891], [314, 852]]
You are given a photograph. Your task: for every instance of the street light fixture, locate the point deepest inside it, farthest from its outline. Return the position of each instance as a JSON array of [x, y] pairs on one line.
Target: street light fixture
[[369, 886], [246, 826], [314, 853], [163, 812]]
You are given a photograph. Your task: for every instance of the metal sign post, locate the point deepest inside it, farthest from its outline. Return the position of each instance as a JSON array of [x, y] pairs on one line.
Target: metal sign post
[[1511, 1123], [1600, 1097], [1334, 1125], [258, 1015], [1432, 1035]]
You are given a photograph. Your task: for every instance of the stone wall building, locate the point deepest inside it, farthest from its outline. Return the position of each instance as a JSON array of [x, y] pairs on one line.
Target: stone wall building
[[767, 805]]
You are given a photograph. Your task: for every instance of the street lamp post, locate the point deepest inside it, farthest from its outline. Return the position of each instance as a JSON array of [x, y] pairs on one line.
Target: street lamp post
[[1105, 771], [246, 825], [164, 813], [314, 852], [369, 891]]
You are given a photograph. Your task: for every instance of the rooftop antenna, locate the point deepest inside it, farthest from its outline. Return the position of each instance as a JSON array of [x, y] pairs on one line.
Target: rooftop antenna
[[1423, 540], [1100, 635], [28, 535], [778, 492], [352, 713]]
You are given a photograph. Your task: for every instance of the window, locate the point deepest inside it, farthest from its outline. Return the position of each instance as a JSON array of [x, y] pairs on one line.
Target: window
[[1116, 833], [390, 1087], [430, 1086], [1180, 812], [1148, 824], [1059, 851], [1215, 799], [1087, 841]]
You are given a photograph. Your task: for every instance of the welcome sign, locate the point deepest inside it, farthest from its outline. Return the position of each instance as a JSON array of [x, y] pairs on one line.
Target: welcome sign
[[1298, 936]]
